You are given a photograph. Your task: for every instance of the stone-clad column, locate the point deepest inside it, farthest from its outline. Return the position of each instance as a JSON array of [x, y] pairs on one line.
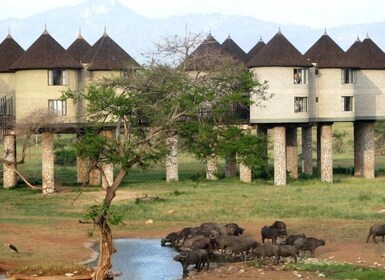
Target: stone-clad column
[[95, 177], [326, 159], [231, 165], [108, 168], [172, 172], [364, 149], [47, 156], [319, 152], [9, 154], [292, 152], [279, 156], [82, 168], [358, 160], [307, 150], [245, 174], [212, 168]]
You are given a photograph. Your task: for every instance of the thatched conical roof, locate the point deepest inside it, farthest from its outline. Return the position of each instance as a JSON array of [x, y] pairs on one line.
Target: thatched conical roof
[[367, 56], [105, 54], [353, 47], [78, 48], [46, 53], [10, 51], [279, 52], [206, 55], [232, 48], [254, 50], [327, 54]]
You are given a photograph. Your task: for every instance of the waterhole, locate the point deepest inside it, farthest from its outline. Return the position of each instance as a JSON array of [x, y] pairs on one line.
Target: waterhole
[[145, 259]]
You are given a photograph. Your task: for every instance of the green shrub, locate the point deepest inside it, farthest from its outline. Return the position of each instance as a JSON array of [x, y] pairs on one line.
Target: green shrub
[[65, 157]]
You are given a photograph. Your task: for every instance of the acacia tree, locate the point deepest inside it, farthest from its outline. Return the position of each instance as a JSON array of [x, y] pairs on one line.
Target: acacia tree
[[148, 106]]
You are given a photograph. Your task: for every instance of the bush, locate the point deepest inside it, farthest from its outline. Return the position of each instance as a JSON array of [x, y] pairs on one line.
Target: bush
[[65, 157]]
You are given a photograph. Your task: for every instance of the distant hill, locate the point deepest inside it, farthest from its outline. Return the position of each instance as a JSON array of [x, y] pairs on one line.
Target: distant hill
[[137, 34]]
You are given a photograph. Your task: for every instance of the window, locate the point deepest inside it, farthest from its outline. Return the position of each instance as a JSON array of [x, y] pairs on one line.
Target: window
[[57, 107], [57, 77], [300, 104], [347, 103], [347, 76], [299, 76]]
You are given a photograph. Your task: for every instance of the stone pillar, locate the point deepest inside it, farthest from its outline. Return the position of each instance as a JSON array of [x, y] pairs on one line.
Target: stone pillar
[[82, 168], [319, 152], [47, 156], [364, 149], [358, 139], [172, 172], [245, 174], [212, 168], [326, 159], [292, 152], [108, 168], [279, 156], [307, 150], [95, 177], [231, 165], [9, 154]]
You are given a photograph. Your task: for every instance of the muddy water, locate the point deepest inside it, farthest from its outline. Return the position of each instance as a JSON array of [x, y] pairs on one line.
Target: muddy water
[[144, 259]]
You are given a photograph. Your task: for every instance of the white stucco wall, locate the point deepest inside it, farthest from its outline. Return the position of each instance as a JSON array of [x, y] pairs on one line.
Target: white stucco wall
[[370, 95], [280, 108], [33, 92], [330, 90]]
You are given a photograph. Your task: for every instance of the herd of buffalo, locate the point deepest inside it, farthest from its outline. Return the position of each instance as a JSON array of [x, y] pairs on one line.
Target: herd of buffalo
[[197, 245]]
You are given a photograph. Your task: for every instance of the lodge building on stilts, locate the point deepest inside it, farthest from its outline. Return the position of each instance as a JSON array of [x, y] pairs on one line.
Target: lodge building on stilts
[[323, 86]]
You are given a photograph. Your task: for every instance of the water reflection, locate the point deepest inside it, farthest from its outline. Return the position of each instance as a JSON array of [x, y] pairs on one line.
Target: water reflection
[[145, 259]]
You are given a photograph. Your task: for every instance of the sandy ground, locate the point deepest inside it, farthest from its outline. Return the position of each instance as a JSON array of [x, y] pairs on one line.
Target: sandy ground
[[68, 243]]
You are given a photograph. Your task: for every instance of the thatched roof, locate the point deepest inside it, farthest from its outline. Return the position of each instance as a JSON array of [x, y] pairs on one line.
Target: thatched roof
[[353, 47], [78, 48], [10, 51], [279, 52], [206, 55], [46, 53], [367, 56], [254, 50], [232, 48], [327, 54], [105, 54]]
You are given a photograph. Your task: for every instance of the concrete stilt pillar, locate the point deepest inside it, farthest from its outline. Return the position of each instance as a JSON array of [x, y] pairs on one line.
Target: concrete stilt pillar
[[212, 168], [307, 150], [82, 168], [231, 165], [326, 153], [95, 177], [172, 170], [364, 149], [9, 154], [319, 152], [47, 155], [245, 174], [292, 152], [358, 139], [279, 156], [108, 168]]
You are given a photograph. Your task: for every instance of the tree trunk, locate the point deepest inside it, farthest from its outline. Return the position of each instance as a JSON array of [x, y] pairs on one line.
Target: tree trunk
[[106, 249]]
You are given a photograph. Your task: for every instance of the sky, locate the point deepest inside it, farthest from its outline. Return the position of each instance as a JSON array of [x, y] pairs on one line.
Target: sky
[[316, 14]]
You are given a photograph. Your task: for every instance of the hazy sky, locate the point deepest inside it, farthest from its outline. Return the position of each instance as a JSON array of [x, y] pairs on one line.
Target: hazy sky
[[319, 13]]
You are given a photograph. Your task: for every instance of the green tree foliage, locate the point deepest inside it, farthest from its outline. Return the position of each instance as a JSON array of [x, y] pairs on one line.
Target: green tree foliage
[[148, 105]]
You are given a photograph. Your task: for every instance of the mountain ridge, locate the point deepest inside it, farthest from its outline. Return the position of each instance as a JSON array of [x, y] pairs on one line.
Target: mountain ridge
[[137, 34]]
